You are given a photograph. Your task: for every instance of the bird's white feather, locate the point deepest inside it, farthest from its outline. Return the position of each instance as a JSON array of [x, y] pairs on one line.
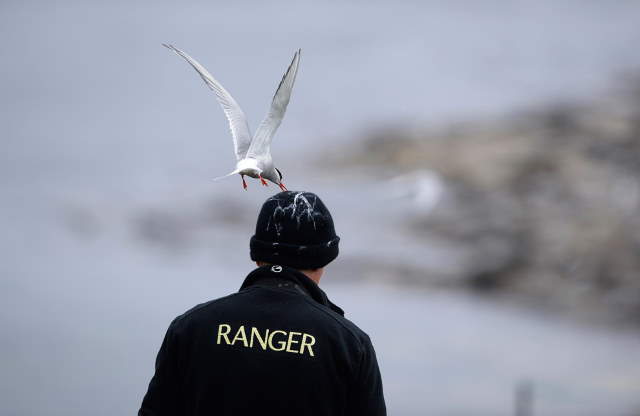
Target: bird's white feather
[[261, 143], [237, 120], [227, 175]]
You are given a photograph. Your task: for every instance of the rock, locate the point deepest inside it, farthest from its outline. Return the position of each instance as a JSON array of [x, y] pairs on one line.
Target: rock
[[545, 201]]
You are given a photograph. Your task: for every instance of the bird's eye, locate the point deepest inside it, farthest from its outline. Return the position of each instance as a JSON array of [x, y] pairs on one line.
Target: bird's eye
[[279, 173]]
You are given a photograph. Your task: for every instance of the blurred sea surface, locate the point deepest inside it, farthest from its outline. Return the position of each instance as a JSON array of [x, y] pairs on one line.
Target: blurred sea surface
[[112, 226]]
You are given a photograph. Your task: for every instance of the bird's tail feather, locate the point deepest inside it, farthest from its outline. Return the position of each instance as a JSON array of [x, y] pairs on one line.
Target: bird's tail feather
[[227, 175]]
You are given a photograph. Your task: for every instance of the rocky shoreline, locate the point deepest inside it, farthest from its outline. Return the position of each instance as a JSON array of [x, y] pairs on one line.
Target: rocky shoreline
[[545, 201]]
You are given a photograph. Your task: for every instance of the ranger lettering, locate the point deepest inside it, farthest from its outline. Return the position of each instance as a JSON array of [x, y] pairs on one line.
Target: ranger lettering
[[266, 339]]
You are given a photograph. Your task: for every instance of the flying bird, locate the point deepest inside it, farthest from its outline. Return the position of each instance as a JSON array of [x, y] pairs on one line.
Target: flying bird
[[253, 153]]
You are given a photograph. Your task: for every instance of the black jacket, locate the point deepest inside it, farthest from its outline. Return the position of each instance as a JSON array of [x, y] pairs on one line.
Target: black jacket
[[278, 346]]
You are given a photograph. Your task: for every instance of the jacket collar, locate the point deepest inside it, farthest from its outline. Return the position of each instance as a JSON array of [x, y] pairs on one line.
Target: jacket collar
[[301, 281]]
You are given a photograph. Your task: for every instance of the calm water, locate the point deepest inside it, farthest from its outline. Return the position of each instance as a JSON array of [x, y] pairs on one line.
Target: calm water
[[106, 135]]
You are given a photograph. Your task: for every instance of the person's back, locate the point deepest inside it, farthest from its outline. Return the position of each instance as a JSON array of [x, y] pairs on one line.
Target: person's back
[[278, 346]]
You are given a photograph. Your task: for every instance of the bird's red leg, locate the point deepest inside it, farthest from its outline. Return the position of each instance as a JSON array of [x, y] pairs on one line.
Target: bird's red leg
[[281, 185], [263, 181], [244, 184]]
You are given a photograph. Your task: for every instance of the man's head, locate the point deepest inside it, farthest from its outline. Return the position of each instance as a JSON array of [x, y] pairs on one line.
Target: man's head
[[295, 229]]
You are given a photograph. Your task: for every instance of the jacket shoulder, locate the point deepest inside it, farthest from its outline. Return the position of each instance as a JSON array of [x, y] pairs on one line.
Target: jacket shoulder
[[193, 312], [358, 335]]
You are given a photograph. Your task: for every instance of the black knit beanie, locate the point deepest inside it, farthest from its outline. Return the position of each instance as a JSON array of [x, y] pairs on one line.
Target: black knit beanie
[[295, 229]]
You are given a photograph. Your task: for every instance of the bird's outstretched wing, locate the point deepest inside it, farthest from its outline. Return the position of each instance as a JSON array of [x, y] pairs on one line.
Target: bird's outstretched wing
[[235, 115], [262, 139]]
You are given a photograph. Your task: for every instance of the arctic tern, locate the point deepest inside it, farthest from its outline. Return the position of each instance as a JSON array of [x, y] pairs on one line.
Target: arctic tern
[[253, 154]]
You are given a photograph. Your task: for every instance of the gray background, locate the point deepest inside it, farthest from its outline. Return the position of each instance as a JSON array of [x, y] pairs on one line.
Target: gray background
[[111, 226]]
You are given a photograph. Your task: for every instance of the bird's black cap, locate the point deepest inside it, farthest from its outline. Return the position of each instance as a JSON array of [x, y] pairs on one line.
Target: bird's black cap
[[295, 229]]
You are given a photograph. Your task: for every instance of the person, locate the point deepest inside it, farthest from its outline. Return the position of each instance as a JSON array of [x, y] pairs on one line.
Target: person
[[279, 345]]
